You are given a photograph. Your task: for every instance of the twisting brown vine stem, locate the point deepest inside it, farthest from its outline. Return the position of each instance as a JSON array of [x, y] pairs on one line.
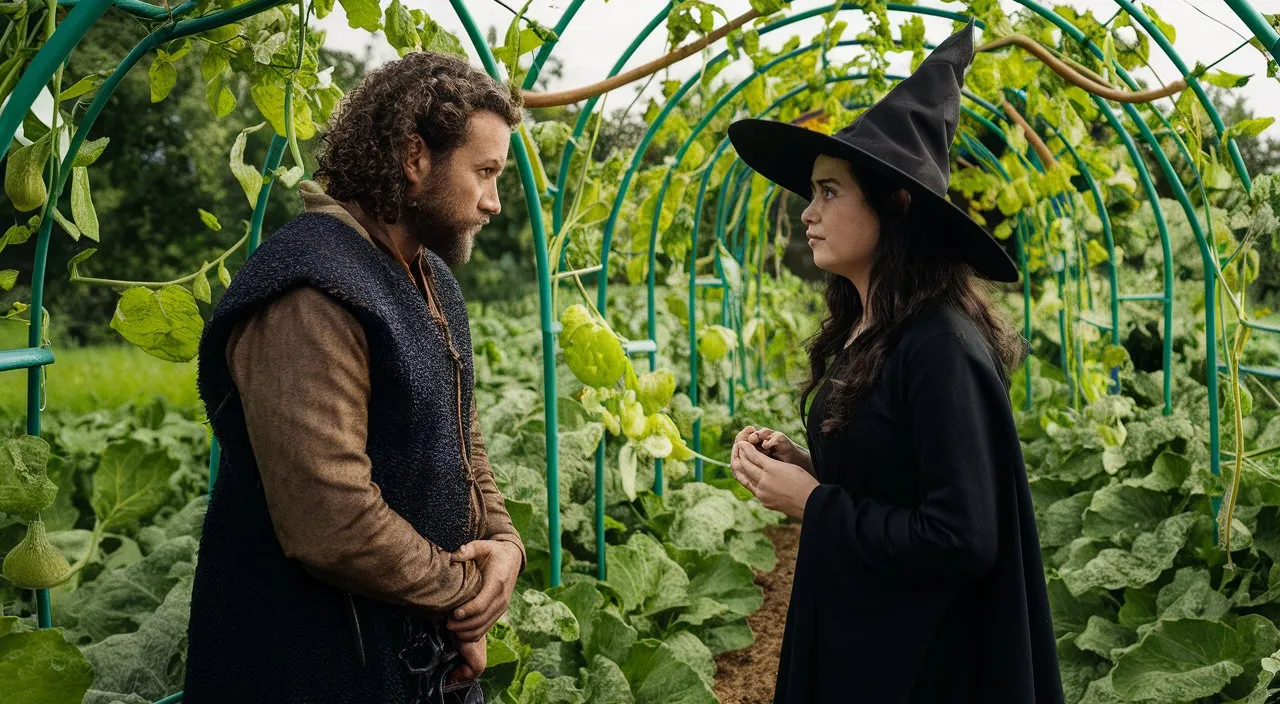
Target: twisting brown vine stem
[[1079, 79], [1078, 76], [1037, 144], [569, 97]]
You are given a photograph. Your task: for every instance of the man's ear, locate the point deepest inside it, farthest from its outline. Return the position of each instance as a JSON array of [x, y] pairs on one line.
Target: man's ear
[[417, 160]]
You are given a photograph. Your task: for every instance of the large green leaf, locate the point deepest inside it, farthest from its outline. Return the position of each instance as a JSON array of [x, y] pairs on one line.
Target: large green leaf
[[401, 31], [438, 39], [120, 600], [82, 210], [606, 684], [249, 177], [722, 639], [1078, 669], [1120, 512], [269, 95], [583, 600], [164, 323], [538, 689], [150, 661], [1101, 637], [1064, 519], [702, 525], [1152, 554], [754, 550], [644, 578], [1190, 595], [1168, 472], [41, 667], [131, 482], [539, 619], [362, 14], [1071, 613], [610, 636], [719, 577], [1180, 661], [163, 77], [25, 487], [659, 674]]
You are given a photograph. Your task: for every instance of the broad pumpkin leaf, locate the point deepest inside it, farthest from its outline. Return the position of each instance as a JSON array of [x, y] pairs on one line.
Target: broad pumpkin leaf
[[164, 323], [1152, 554], [25, 487], [362, 14], [144, 661], [1180, 661], [606, 684], [130, 483], [539, 619], [41, 667], [644, 578], [119, 600], [659, 674]]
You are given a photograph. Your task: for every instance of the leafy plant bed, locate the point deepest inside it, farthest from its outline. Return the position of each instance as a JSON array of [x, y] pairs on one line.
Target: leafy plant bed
[[747, 676]]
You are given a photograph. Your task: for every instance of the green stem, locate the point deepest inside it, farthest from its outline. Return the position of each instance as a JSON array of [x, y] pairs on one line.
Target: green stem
[[94, 540], [50, 27], [161, 284], [708, 460], [11, 78]]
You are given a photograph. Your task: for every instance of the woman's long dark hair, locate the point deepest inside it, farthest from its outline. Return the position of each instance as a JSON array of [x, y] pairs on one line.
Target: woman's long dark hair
[[911, 269]]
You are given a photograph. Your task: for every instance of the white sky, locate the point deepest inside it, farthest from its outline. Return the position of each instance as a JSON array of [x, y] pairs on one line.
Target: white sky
[[602, 30]]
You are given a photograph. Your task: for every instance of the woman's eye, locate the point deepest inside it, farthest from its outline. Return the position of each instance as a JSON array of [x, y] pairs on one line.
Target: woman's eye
[[828, 193]]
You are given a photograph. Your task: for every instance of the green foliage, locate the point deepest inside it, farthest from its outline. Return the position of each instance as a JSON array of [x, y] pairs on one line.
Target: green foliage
[[40, 667], [1151, 599], [164, 323], [25, 488]]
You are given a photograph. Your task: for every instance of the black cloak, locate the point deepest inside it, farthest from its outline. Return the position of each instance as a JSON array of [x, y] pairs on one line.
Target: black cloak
[[919, 574]]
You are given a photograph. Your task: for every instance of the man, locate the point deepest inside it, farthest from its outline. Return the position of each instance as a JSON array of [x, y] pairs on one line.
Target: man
[[355, 516]]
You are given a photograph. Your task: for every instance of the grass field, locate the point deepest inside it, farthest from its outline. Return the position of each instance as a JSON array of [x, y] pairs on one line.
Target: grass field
[[84, 379]]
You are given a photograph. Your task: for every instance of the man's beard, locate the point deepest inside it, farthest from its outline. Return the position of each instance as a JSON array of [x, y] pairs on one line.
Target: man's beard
[[434, 223]]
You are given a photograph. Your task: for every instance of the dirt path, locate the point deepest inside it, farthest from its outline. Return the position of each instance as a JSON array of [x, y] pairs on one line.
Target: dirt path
[[747, 676]]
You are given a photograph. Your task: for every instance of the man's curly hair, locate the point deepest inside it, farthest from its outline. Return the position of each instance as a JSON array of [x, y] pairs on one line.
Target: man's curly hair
[[424, 93]]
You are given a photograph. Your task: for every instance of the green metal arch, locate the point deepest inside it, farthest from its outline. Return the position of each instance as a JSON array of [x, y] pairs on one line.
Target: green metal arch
[[85, 12]]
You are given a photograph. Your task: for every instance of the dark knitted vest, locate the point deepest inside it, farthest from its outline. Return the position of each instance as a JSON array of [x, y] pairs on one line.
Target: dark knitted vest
[[262, 628]]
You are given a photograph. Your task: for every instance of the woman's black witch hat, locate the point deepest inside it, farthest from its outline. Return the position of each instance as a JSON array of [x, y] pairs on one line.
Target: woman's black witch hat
[[905, 137]]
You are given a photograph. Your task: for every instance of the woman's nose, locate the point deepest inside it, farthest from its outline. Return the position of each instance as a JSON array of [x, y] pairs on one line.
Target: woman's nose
[[809, 216]]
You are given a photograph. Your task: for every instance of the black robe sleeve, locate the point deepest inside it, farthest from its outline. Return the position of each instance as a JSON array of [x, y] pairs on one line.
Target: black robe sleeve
[[950, 395]]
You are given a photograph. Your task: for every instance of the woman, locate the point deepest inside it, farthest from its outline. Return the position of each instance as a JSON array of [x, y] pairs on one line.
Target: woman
[[919, 576]]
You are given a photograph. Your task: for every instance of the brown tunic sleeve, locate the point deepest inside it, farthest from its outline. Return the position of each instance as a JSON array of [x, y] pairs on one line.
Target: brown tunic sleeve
[[498, 525], [302, 367]]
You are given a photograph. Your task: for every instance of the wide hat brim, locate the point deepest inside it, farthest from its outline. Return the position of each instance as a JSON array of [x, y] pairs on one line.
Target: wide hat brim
[[785, 153]]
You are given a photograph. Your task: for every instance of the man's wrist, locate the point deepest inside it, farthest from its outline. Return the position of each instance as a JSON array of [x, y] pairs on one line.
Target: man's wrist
[[517, 551]]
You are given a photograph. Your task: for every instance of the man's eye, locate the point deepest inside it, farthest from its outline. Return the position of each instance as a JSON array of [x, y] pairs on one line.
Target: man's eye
[[486, 171]]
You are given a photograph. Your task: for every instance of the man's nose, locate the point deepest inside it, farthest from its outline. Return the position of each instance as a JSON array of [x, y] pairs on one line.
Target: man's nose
[[490, 203]]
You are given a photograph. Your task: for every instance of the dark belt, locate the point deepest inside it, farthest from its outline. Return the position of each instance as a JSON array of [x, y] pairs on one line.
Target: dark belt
[[429, 655]]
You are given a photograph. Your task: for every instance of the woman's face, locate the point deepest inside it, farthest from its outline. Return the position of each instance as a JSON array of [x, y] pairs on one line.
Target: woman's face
[[842, 228]]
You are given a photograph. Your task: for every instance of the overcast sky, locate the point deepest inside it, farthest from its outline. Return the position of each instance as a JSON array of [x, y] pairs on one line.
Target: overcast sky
[[602, 30]]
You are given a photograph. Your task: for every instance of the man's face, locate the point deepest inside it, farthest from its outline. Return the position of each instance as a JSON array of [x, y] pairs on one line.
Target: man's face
[[460, 193]]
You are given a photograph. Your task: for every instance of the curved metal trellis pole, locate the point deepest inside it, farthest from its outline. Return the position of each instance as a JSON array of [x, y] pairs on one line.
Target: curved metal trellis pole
[[1175, 184], [275, 153], [1257, 24], [50, 56], [533, 204]]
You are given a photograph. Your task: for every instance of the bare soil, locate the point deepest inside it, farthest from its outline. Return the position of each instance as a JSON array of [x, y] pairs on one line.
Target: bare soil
[[747, 676]]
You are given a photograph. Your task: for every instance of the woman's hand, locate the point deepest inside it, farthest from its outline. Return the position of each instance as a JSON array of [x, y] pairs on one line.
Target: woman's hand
[[777, 445], [780, 486]]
